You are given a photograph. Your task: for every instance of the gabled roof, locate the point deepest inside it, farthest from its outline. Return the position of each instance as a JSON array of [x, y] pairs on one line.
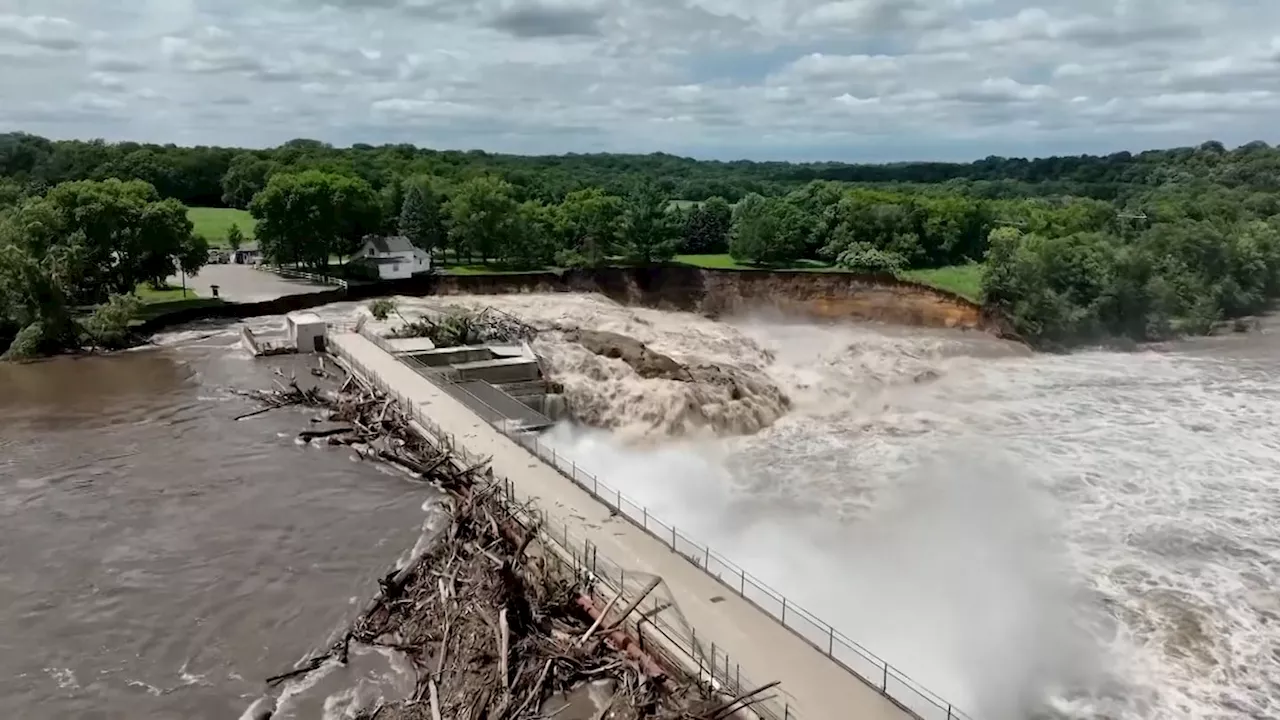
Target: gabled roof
[[392, 244]]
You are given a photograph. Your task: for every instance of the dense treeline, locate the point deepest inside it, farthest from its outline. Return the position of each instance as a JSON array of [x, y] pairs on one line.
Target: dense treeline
[[214, 176], [1075, 249]]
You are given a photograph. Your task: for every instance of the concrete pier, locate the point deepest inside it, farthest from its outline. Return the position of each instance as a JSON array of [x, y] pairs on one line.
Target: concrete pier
[[754, 640]]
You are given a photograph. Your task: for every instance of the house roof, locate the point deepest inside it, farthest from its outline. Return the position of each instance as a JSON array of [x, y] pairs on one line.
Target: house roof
[[390, 244]]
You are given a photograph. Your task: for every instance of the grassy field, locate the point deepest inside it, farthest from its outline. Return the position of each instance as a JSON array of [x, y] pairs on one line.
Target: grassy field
[[169, 293], [156, 309], [963, 280], [725, 262], [167, 300], [482, 269], [212, 223]]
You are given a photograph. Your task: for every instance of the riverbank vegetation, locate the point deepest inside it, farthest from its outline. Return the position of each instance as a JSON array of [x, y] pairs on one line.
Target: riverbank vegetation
[[72, 260], [1068, 249]]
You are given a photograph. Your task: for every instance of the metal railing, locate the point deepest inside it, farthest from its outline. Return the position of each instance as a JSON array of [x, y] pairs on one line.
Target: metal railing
[[853, 657], [713, 665]]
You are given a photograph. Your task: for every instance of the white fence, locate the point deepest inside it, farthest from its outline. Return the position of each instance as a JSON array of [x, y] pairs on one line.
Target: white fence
[[301, 275]]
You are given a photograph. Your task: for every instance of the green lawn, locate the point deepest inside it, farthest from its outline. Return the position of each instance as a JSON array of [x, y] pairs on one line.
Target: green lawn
[[963, 280], [150, 295], [483, 269], [156, 309], [212, 223], [725, 262]]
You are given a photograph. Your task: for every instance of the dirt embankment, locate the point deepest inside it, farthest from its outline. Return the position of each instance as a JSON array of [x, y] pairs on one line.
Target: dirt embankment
[[825, 295]]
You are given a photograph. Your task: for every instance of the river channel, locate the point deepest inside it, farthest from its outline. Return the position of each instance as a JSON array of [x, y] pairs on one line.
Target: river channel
[[157, 558], [1094, 535]]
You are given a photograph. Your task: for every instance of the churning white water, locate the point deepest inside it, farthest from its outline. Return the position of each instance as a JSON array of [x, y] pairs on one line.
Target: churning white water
[[1094, 535]]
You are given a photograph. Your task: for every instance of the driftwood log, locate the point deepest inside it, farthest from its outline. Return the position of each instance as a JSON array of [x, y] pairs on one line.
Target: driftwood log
[[496, 625]]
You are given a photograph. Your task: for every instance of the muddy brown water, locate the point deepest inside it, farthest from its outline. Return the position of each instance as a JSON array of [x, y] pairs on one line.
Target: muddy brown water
[[157, 558]]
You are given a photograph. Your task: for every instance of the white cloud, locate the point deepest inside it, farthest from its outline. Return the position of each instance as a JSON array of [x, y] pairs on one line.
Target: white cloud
[[840, 79], [53, 34]]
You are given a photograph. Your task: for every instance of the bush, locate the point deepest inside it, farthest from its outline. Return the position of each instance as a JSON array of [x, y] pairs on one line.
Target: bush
[[865, 258], [382, 308], [108, 326]]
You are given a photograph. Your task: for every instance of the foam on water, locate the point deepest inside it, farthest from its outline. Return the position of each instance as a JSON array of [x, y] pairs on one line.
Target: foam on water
[[1091, 535]]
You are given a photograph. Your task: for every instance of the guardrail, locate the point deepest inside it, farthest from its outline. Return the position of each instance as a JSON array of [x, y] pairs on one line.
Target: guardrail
[[853, 657], [720, 671], [302, 275]]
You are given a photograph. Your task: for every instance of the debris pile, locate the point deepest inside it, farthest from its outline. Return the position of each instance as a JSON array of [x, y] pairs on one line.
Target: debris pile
[[496, 624], [457, 326]]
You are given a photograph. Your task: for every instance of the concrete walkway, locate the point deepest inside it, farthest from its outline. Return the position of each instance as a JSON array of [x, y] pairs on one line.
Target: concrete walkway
[[245, 283], [763, 648]]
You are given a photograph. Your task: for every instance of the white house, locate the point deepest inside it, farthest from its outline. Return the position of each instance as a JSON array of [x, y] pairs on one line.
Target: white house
[[395, 257]]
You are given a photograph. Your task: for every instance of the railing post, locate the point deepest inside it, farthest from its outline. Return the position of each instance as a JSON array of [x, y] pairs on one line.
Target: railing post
[[673, 536], [948, 712], [884, 684], [742, 582], [831, 641], [646, 517], [784, 609], [706, 557], [619, 503]]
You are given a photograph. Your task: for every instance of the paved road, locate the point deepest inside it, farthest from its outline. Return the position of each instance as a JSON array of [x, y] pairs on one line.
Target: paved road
[[242, 283], [763, 649]]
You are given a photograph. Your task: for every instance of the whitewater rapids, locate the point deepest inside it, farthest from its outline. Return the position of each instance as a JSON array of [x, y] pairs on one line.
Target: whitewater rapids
[[1094, 535]]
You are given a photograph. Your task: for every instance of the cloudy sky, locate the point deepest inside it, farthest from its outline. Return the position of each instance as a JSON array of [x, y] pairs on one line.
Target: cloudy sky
[[764, 79]]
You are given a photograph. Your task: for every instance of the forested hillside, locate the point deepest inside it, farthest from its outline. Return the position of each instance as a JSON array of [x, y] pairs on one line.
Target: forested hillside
[[1070, 249], [199, 176]]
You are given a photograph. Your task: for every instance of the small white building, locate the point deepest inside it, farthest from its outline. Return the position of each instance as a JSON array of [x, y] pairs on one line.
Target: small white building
[[395, 257], [306, 331]]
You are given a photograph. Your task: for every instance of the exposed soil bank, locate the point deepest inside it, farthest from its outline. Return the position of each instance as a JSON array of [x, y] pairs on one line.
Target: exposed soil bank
[[817, 295], [723, 292]]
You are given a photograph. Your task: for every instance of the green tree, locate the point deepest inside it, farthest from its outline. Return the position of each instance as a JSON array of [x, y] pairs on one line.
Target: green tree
[[116, 234], [706, 229], [308, 216], [482, 218], [247, 176], [420, 219], [767, 231], [534, 243], [235, 238], [590, 226], [649, 233]]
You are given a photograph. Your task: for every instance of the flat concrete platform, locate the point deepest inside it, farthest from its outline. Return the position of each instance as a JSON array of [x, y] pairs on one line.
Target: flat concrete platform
[[244, 283], [765, 650]]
